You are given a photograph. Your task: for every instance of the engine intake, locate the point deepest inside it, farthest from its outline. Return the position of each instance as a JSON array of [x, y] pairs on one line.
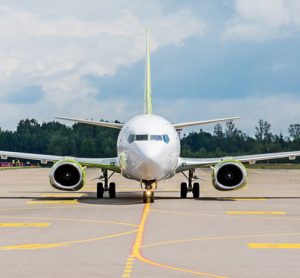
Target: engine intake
[[229, 175], [67, 175]]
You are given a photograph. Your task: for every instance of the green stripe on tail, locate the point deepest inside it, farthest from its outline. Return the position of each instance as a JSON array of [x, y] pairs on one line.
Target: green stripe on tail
[[148, 97]]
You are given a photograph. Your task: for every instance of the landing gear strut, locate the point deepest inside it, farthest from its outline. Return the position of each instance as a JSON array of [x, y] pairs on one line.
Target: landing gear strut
[[191, 186], [148, 195], [104, 186]]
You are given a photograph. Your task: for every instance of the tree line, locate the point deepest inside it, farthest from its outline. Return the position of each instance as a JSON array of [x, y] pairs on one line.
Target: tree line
[[94, 141]]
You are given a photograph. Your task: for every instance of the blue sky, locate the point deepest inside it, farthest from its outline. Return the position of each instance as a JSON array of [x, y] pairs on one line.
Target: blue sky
[[210, 58]]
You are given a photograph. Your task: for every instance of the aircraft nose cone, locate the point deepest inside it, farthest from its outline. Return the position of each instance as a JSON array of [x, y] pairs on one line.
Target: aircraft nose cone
[[149, 154], [151, 167]]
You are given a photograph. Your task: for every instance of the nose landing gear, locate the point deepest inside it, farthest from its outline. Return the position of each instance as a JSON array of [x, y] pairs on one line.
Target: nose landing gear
[[148, 195], [190, 186]]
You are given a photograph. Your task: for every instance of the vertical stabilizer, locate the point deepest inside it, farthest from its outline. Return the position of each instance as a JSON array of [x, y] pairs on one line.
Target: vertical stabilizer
[[148, 97]]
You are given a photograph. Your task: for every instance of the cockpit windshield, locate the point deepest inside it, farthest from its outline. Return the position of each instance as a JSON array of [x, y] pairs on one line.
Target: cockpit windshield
[[147, 137], [156, 137], [141, 137]]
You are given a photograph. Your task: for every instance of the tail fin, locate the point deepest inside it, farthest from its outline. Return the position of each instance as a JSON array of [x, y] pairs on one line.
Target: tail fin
[[148, 97]]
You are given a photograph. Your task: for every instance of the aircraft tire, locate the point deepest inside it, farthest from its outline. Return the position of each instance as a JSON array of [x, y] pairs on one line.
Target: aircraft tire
[[112, 190], [196, 190], [100, 190], [183, 190]]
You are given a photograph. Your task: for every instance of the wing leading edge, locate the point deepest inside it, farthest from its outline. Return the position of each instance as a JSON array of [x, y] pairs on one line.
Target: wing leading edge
[[91, 122], [193, 163], [111, 164], [187, 124]]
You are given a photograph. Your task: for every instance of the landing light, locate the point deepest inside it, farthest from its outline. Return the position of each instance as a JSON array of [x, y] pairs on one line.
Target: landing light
[[148, 192]]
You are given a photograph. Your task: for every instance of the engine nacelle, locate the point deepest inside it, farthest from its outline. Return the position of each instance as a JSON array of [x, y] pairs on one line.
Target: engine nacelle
[[229, 175], [67, 175]]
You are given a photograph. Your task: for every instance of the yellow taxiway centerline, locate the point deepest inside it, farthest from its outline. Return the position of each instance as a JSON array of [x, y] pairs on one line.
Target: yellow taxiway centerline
[[70, 219], [274, 245], [128, 267], [136, 250], [60, 244], [31, 246], [229, 237]]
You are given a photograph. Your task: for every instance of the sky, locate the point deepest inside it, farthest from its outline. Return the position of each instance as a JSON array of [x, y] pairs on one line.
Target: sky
[[209, 59]]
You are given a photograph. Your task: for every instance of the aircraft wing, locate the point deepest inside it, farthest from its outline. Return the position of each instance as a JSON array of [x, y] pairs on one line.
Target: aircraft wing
[[111, 164], [187, 124], [193, 163], [90, 122]]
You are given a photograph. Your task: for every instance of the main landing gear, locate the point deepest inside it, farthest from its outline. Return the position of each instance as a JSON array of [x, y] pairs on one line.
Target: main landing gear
[[148, 195], [191, 186], [104, 186]]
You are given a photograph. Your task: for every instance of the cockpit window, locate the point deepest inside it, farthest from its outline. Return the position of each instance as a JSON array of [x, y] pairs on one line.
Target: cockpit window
[[156, 137], [166, 138], [130, 138], [141, 137], [146, 137]]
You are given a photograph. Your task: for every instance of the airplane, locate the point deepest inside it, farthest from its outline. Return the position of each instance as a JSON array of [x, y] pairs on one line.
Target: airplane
[[148, 151]]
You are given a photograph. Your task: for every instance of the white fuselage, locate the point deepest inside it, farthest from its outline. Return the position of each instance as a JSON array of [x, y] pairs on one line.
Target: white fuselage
[[148, 148]]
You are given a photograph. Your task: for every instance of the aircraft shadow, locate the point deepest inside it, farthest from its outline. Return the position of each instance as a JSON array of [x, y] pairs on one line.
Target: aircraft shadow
[[134, 198]]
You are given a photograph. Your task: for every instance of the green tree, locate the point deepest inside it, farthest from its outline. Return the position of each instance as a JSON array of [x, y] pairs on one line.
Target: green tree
[[294, 131], [263, 132]]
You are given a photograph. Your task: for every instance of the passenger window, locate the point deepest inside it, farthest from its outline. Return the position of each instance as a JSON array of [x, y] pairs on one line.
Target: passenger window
[[155, 137], [166, 138], [130, 138], [141, 137]]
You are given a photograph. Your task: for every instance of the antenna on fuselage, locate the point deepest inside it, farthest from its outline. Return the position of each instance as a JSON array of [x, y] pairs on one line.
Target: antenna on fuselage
[[147, 97]]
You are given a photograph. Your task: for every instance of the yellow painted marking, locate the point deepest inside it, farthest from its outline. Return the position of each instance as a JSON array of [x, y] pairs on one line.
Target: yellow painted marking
[[179, 241], [60, 244], [53, 202], [71, 219], [24, 224], [136, 250], [274, 245], [31, 246], [64, 195], [128, 267], [255, 212]]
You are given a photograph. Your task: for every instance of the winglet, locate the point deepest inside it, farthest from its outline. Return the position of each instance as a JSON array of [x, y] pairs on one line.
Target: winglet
[[147, 97]]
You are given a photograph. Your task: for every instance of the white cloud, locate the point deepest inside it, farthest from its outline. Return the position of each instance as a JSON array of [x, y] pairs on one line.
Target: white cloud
[[263, 19], [280, 111], [55, 50]]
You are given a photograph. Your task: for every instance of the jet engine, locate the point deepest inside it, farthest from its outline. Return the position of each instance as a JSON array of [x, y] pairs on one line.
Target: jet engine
[[67, 175], [229, 175]]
